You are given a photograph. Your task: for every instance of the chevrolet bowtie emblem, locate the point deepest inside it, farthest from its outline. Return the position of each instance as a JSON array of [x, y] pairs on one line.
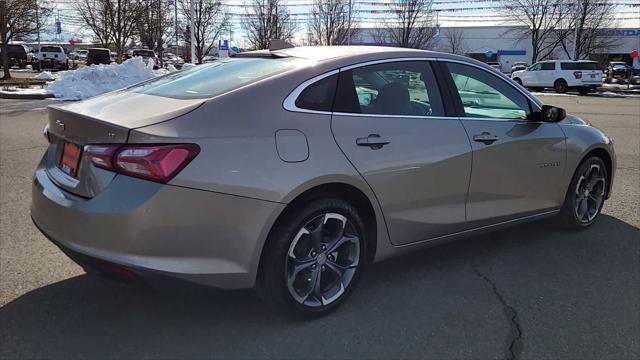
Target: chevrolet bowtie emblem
[[60, 125]]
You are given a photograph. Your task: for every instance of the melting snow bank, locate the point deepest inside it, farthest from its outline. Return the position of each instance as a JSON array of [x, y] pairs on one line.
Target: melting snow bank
[[94, 80]]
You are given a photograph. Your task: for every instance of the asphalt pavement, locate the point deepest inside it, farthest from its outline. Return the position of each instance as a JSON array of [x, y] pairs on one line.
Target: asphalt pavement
[[530, 292]]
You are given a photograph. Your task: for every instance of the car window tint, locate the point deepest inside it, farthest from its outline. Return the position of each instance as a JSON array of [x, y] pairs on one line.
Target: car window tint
[[548, 66], [484, 95], [579, 66], [535, 67], [400, 88], [50, 49], [319, 95], [215, 78]]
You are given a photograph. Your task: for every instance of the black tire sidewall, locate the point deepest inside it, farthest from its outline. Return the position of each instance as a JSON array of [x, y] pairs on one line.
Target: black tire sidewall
[[568, 213], [271, 284], [560, 86]]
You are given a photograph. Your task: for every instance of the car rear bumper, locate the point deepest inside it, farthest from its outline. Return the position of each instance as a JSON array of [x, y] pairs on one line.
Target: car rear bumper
[[148, 228]]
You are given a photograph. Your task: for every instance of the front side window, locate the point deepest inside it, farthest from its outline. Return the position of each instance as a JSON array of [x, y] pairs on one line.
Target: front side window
[[215, 78], [535, 67], [484, 95], [399, 88]]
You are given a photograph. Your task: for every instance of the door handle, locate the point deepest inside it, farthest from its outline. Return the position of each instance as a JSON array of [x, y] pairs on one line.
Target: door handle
[[485, 138], [373, 141]]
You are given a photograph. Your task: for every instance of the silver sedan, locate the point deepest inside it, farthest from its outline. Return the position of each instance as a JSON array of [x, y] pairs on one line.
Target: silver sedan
[[292, 170]]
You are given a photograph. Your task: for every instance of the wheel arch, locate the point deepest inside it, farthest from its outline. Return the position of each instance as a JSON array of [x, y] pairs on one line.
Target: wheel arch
[[608, 162], [348, 192]]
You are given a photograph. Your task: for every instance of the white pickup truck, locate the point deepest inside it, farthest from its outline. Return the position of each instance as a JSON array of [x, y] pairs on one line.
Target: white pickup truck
[[561, 75]]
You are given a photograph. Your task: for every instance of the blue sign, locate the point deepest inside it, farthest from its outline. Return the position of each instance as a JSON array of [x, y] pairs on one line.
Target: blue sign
[[512, 52], [58, 27], [488, 54], [223, 45]]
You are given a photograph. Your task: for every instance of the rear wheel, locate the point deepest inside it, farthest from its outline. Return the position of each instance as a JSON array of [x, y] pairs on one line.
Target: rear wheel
[[313, 258], [560, 86], [585, 198]]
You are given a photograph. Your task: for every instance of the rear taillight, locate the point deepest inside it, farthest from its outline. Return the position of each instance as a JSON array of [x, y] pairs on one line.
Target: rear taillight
[[151, 162], [577, 74]]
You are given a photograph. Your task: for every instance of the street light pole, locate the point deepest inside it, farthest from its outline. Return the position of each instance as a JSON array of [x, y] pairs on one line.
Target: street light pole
[[349, 29], [38, 23], [575, 36], [175, 8], [192, 11]]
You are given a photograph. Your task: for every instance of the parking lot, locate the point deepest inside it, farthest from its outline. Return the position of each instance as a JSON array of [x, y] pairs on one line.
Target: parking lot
[[531, 292]]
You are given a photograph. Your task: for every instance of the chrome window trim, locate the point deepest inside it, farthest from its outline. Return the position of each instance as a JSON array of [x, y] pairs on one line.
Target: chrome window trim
[[289, 103]]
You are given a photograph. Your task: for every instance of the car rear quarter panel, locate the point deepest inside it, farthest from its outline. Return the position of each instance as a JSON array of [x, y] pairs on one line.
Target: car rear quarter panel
[[237, 136]]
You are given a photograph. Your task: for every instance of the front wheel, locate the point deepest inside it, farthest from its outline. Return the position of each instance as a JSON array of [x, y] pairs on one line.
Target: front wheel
[[518, 81], [313, 259], [585, 198]]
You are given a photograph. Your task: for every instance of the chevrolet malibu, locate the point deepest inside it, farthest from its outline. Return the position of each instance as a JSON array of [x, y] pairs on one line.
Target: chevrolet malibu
[[292, 170]]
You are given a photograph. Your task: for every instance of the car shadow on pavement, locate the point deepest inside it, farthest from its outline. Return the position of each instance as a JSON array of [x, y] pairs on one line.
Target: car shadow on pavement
[[433, 303]]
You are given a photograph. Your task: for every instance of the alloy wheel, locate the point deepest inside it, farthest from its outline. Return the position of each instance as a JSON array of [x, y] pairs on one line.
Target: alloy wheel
[[589, 193], [322, 260]]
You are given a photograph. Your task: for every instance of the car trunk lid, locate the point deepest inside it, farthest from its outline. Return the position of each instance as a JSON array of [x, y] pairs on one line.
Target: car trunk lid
[[105, 119]]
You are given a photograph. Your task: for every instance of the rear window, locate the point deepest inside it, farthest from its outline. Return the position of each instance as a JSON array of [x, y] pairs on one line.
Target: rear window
[[147, 53], [579, 66], [50, 49], [318, 96], [215, 78]]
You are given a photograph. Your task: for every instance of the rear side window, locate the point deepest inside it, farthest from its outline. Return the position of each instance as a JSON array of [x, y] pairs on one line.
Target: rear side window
[[548, 66], [147, 53], [398, 88], [50, 49], [319, 95], [215, 78], [579, 66]]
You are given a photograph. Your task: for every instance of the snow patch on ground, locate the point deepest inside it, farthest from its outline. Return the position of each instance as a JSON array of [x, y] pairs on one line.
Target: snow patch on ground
[[25, 91], [45, 75], [94, 80]]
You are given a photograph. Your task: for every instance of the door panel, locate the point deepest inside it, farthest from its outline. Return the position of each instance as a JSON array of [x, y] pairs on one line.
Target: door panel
[[420, 178], [517, 163], [519, 172], [416, 161]]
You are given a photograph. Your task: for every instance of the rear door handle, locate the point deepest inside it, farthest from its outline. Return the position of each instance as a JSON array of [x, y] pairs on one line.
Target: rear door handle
[[485, 138], [373, 141]]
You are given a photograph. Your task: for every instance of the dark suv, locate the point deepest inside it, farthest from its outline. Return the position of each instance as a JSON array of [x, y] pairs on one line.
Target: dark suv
[[98, 56], [19, 55]]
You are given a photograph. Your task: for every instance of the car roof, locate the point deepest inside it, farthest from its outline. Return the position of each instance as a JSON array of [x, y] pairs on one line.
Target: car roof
[[321, 53]]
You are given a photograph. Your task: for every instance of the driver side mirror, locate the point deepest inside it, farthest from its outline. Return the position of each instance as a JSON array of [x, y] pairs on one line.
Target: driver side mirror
[[550, 114]]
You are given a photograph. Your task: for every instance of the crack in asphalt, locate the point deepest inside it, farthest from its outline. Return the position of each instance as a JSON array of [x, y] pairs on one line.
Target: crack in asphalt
[[514, 339]]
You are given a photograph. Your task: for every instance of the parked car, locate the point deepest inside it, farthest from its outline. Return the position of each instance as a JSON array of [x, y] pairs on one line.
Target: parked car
[[79, 54], [561, 75], [496, 65], [172, 59], [98, 56], [51, 57], [519, 65], [345, 156], [147, 56], [618, 72], [19, 55]]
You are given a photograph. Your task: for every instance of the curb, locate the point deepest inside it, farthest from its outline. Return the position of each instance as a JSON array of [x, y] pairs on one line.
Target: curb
[[4, 95]]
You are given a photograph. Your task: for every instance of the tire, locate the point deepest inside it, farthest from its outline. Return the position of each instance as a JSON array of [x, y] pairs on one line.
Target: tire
[[584, 178], [518, 81], [292, 261], [584, 91], [560, 86]]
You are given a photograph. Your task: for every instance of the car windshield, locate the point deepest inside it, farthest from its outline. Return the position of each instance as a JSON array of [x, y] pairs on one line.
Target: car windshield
[[215, 78]]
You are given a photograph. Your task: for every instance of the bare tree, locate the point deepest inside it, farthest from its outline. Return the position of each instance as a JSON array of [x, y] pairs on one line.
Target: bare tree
[[541, 20], [210, 22], [582, 35], [111, 21], [331, 23], [456, 40], [412, 25], [18, 19], [155, 23], [94, 13], [266, 20]]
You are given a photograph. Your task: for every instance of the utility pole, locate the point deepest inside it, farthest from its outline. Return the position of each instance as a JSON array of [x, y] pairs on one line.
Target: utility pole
[[349, 29], [175, 9], [38, 23], [192, 11], [575, 36]]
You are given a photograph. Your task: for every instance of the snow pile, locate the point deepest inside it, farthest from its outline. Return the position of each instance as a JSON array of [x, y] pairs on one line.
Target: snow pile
[[94, 80], [45, 75], [187, 66]]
